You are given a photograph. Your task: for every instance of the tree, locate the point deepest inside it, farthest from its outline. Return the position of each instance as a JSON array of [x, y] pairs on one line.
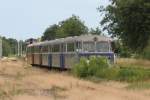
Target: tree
[[72, 26], [9, 46], [6, 47], [13, 45], [50, 32], [128, 20], [96, 31]]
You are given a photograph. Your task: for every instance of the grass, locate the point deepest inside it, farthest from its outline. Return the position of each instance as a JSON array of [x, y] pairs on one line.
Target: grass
[[132, 74], [55, 90], [126, 62], [99, 68], [7, 92], [139, 86]]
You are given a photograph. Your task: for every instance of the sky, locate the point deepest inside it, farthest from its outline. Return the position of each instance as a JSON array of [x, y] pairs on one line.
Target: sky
[[23, 19]]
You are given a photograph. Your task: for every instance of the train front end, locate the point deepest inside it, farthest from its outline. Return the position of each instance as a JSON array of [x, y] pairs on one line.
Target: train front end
[[96, 46]]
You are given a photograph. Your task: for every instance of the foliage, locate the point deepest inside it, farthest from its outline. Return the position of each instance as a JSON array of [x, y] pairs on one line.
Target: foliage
[[131, 74], [125, 52], [96, 31], [9, 46], [72, 26], [50, 32], [146, 52], [139, 85], [128, 20], [90, 67], [81, 69], [120, 49], [5, 47], [99, 68]]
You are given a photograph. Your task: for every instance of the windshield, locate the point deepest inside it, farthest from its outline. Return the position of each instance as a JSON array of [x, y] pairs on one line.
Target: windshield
[[89, 47], [102, 47], [96, 47]]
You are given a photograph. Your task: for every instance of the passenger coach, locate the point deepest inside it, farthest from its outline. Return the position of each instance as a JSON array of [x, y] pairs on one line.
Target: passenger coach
[[65, 52]]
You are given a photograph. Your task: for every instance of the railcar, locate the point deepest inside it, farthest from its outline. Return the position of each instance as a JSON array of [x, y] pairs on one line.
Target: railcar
[[65, 52]]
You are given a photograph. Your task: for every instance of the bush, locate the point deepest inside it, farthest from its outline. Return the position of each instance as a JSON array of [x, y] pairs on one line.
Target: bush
[[96, 64], [90, 67], [99, 67], [81, 69], [130, 74], [108, 73], [146, 52]]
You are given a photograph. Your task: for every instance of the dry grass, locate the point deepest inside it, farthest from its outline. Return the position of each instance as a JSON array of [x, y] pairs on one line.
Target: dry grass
[[18, 81], [125, 62]]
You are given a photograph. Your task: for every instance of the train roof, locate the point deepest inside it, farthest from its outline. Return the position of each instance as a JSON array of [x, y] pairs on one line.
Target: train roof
[[84, 38]]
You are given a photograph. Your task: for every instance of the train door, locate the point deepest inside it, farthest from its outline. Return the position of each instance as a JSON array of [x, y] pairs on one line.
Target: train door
[[40, 55], [32, 55], [62, 55]]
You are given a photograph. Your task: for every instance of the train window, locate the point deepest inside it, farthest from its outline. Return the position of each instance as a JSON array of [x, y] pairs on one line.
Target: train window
[[45, 49], [63, 47], [32, 49], [70, 47], [102, 47], [36, 49], [89, 46], [28, 49], [50, 48], [56, 48], [78, 46]]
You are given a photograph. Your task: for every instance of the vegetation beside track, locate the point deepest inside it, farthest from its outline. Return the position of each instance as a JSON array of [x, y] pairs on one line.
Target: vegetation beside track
[[100, 69]]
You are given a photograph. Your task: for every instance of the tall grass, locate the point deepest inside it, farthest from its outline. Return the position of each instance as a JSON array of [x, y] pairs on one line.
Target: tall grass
[[99, 67], [130, 62]]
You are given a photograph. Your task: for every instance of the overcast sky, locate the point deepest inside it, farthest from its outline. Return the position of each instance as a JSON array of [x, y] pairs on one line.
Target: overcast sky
[[22, 19]]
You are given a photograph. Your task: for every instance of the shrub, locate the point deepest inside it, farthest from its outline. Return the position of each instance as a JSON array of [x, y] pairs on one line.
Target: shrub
[[81, 69], [108, 73], [90, 67], [128, 74], [133, 74], [146, 52], [97, 64], [98, 67]]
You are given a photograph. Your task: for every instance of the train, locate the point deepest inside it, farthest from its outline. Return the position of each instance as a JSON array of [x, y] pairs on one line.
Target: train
[[64, 53]]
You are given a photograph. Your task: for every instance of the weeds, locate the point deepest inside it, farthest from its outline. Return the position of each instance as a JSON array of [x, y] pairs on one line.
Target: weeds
[[139, 85], [55, 92], [99, 68], [90, 67]]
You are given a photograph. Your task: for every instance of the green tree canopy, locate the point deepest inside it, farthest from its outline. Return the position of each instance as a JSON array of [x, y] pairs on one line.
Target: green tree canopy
[[9, 46], [50, 32], [5, 47], [72, 26], [96, 31], [128, 20]]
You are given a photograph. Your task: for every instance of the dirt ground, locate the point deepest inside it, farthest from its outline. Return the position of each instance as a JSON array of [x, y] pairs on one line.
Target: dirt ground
[[19, 81]]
